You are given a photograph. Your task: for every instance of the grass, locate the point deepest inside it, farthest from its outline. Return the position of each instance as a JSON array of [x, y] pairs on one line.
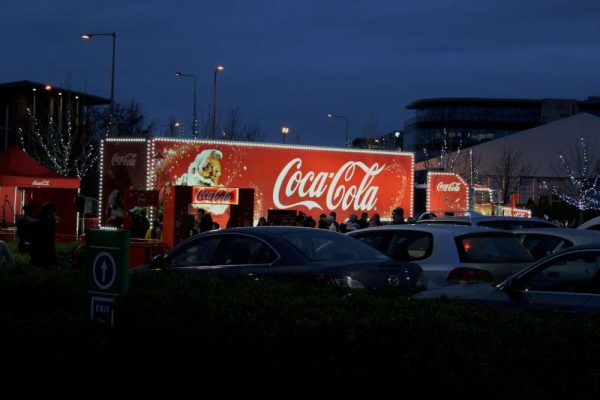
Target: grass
[[284, 338]]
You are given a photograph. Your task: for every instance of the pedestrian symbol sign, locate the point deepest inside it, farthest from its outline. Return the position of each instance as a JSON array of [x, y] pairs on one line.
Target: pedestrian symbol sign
[[104, 270]]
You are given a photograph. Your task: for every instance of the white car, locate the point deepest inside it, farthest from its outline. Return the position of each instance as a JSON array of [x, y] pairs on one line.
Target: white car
[[593, 224], [450, 254], [543, 241], [489, 221]]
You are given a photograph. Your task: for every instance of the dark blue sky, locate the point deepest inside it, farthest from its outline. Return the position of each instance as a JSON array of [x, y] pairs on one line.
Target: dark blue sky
[[289, 62]]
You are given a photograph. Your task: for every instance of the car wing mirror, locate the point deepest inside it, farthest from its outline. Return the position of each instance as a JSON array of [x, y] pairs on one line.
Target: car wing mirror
[[158, 261]]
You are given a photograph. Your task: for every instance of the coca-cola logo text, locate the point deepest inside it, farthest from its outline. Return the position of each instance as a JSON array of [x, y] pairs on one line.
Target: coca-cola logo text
[[448, 187], [127, 160], [334, 185], [214, 195], [40, 183]]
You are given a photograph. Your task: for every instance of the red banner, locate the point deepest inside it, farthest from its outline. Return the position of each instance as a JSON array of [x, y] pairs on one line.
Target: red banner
[[446, 192], [308, 179]]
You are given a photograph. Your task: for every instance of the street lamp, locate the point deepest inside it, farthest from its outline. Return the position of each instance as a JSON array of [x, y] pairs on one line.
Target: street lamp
[[284, 132], [194, 119], [214, 111], [331, 115], [87, 36]]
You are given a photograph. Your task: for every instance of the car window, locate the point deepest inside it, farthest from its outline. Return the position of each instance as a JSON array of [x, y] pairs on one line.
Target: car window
[[195, 253], [326, 246], [576, 272], [542, 245], [242, 250], [378, 240], [490, 248], [411, 245]]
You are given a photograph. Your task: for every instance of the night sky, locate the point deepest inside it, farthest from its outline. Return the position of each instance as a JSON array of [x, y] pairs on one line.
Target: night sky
[[291, 62]]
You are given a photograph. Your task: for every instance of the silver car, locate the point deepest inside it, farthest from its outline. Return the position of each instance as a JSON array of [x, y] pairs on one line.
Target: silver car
[[496, 222], [567, 281], [451, 254]]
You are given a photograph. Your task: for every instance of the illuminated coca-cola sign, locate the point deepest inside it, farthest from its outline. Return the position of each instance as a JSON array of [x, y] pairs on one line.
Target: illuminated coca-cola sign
[[214, 195], [446, 192], [301, 178], [126, 160], [44, 183]]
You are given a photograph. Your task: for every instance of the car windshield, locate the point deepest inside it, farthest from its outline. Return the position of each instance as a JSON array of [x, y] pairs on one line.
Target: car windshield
[[318, 245], [491, 248]]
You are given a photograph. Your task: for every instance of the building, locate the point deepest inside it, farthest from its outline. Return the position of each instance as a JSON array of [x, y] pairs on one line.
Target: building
[[536, 156], [465, 122], [21, 99]]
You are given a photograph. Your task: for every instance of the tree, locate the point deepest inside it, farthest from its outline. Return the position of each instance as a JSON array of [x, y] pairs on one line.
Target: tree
[[235, 128], [510, 168], [582, 168], [68, 149]]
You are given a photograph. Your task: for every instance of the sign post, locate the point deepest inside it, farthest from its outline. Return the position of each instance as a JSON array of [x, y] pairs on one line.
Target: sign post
[[108, 271]]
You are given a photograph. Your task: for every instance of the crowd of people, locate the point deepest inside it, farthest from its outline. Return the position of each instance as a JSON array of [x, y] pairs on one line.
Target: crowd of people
[[353, 223]]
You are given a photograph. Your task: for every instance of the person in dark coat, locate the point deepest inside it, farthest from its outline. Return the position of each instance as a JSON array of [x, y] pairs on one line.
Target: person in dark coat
[[43, 246], [25, 229]]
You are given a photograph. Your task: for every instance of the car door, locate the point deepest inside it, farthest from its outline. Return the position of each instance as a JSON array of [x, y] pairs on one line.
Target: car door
[[563, 283]]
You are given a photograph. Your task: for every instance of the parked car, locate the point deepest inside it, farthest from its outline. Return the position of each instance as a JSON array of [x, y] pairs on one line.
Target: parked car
[[450, 254], [567, 281], [315, 255], [490, 221], [543, 241], [593, 224]]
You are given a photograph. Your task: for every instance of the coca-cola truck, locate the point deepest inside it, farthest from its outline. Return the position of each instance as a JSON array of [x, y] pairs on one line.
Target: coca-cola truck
[[313, 180]]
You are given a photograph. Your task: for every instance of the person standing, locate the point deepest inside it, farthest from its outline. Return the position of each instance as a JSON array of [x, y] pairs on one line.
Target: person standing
[[25, 229], [43, 246], [398, 216], [5, 252]]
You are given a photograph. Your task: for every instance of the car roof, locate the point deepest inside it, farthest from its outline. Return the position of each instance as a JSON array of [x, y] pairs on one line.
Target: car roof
[[566, 232], [455, 229], [591, 222]]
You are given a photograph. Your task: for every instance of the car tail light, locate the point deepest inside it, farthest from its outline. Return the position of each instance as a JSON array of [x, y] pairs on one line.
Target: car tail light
[[469, 275]]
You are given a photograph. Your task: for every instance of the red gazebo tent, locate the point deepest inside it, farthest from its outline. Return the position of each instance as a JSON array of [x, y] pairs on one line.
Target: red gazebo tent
[[23, 180]]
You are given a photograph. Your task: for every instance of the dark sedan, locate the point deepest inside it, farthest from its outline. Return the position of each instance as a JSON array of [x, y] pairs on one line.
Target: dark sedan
[[567, 281], [316, 255]]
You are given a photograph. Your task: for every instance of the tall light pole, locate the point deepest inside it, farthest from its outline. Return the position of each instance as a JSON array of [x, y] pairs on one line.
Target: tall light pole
[[214, 110], [194, 119], [284, 132], [331, 115], [87, 36]]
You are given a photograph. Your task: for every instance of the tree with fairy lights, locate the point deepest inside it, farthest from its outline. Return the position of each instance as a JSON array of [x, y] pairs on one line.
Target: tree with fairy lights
[[580, 189], [59, 145]]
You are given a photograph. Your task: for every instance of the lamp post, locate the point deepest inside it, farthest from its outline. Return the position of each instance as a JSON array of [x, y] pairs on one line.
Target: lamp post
[[284, 132], [331, 115], [194, 119], [214, 111], [87, 36]]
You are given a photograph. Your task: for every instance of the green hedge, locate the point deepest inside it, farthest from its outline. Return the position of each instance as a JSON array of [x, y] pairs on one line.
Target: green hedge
[[283, 338]]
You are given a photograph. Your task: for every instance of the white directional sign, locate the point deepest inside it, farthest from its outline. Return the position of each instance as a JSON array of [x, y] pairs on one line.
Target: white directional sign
[[104, 270]]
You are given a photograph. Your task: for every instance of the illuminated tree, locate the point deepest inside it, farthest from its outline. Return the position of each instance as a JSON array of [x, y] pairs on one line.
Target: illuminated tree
[[580, 189]]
